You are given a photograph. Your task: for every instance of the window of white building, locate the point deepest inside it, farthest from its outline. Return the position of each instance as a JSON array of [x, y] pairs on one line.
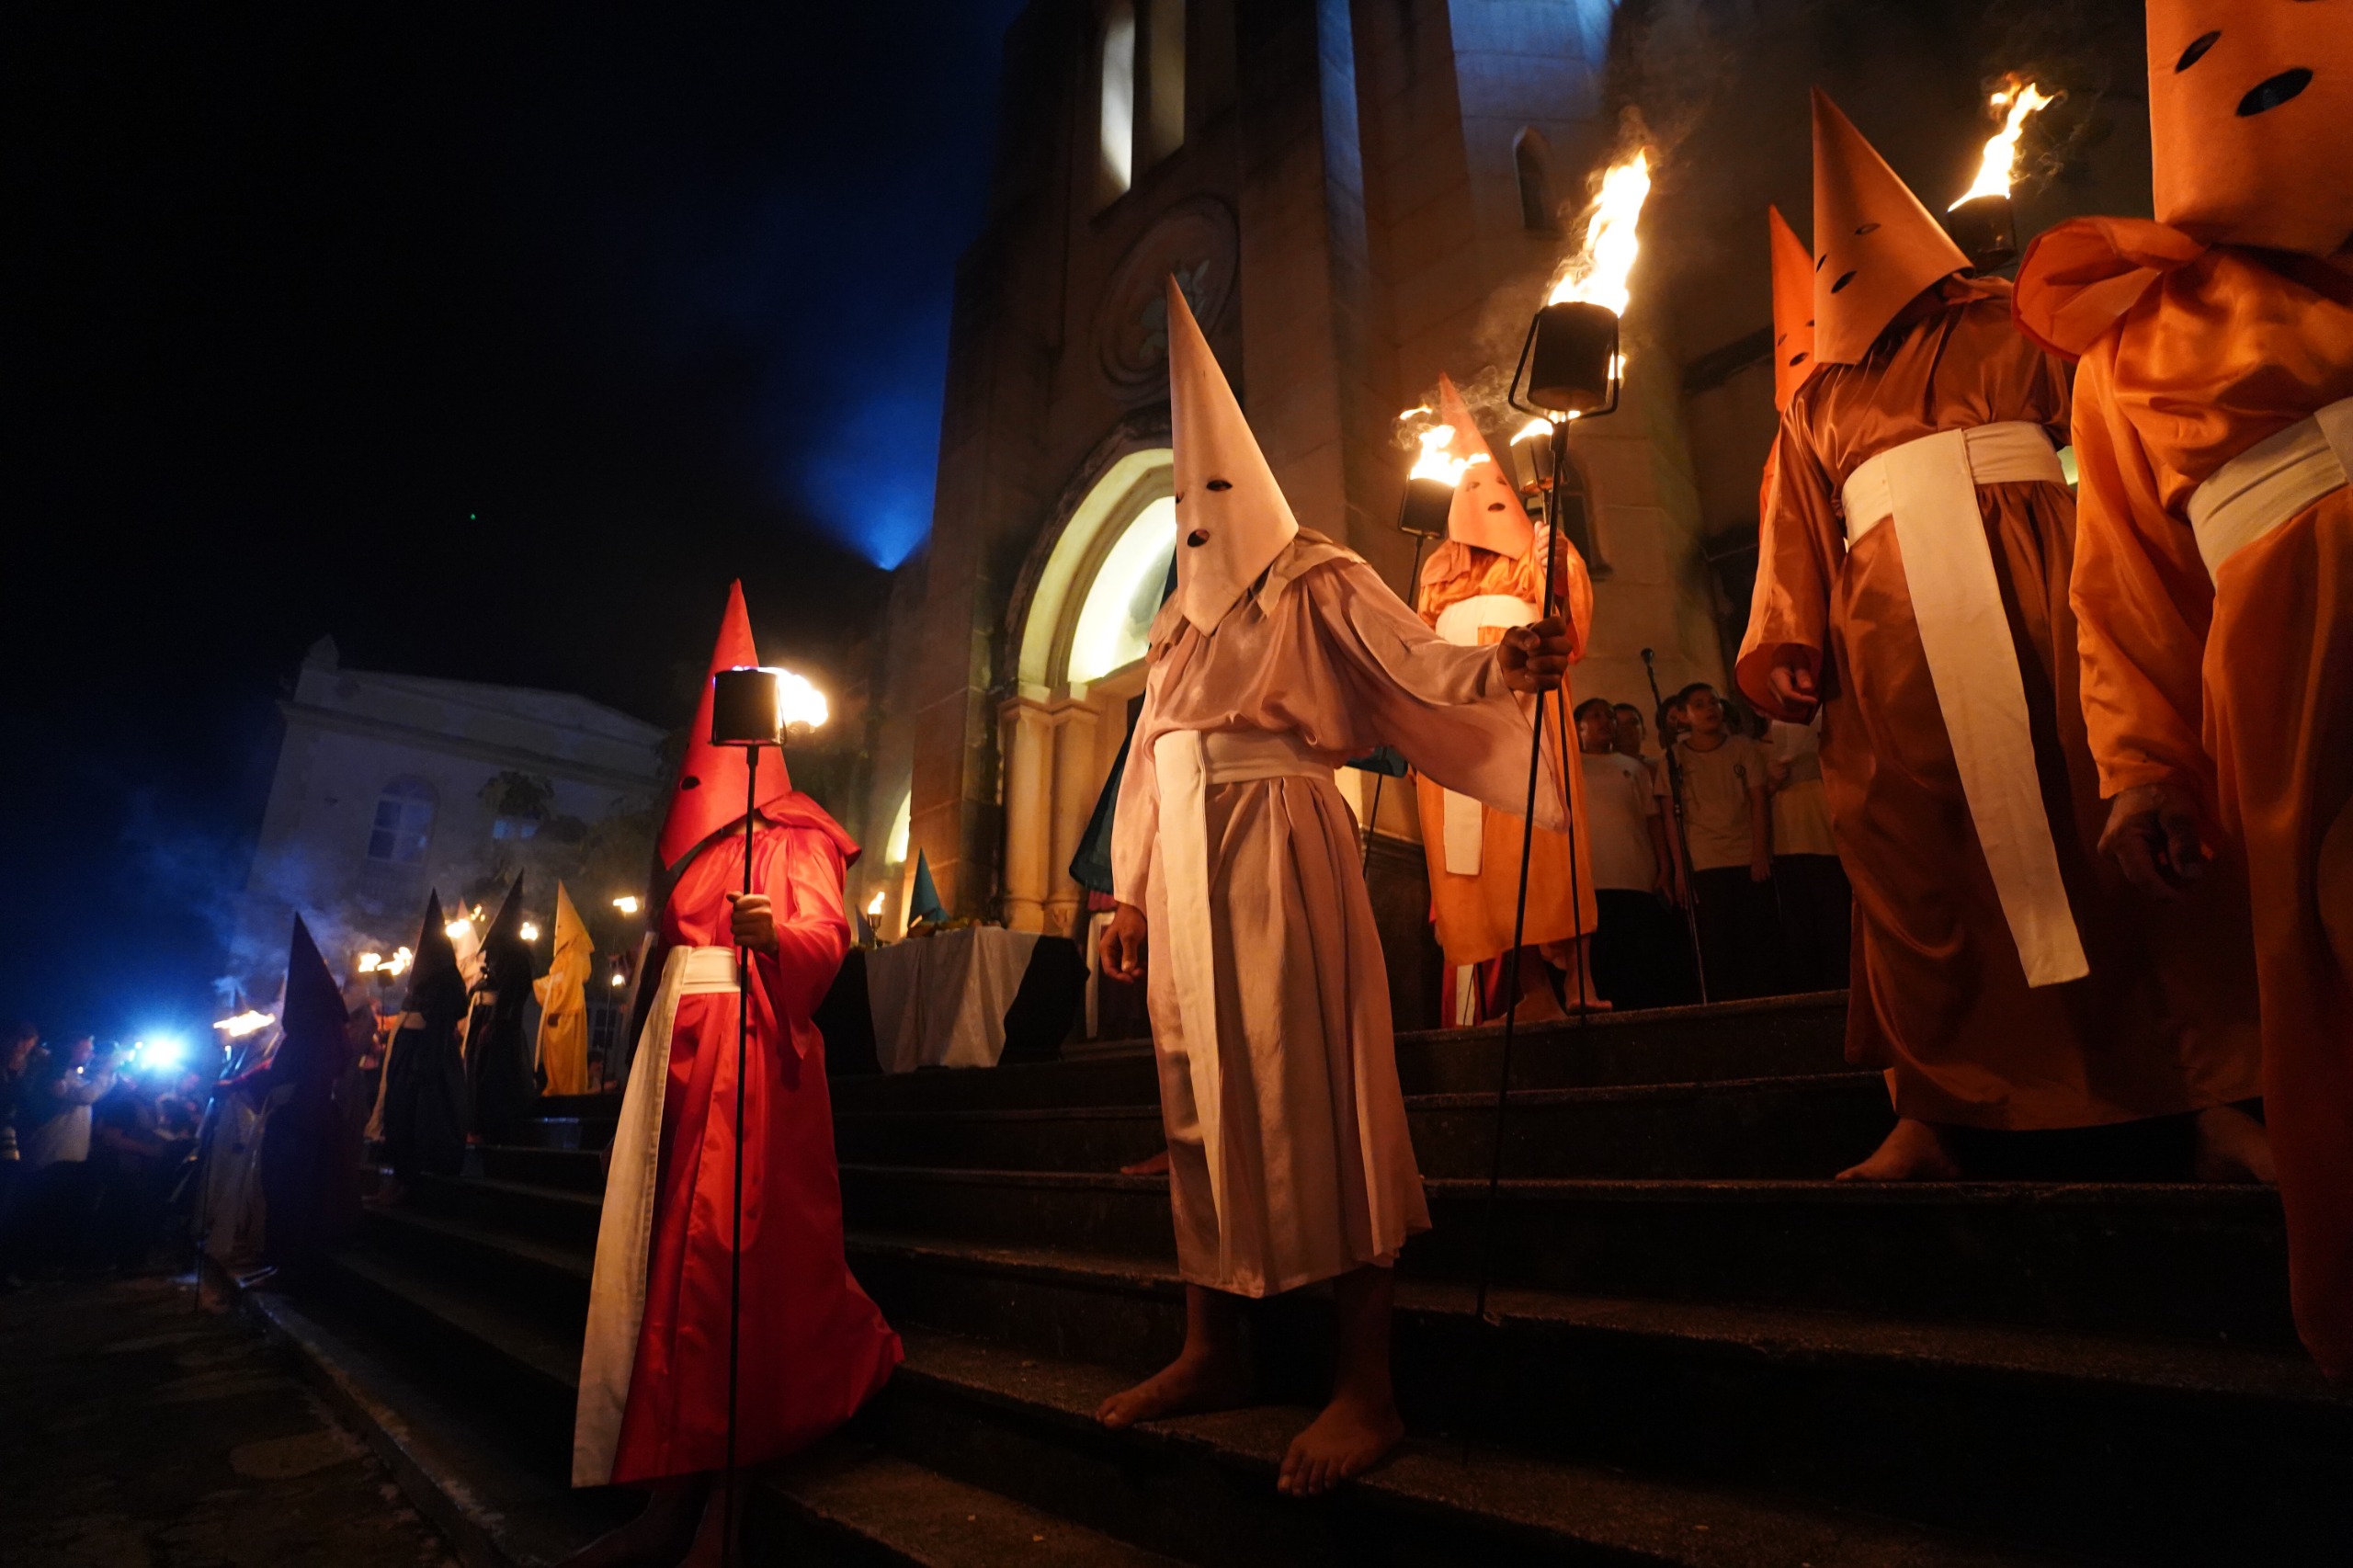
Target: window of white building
[[403, 827]]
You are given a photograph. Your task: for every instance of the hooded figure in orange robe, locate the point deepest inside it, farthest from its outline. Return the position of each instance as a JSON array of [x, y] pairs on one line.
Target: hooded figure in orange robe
[[2214, 583], [1793, 328], [1489, 575], [1234, 855], [653, 1368], [1912, 579]]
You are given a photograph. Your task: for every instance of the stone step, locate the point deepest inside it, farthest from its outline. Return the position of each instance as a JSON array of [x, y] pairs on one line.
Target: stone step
[[1741, 1127], [2194, 1261], [2095, 1444], [1202, 1488], [484, 1453], [1782, 1037]]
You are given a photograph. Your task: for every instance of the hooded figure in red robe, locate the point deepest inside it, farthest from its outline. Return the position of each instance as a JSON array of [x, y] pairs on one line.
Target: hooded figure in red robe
[[653, 1372], [2214, 578], [1912, 583]]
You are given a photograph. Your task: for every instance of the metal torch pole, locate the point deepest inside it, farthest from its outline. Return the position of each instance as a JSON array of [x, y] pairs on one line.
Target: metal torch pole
[[1372, 814], [735, 1231], [1682, 838]]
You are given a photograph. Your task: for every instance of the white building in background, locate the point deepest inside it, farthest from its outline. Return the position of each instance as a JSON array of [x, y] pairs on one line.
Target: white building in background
[[382, 791]]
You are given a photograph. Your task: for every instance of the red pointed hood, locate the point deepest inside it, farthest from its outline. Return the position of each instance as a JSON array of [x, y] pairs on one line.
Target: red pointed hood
[[1877, 246], [1487, 511], [1792, 309], [710, 792]]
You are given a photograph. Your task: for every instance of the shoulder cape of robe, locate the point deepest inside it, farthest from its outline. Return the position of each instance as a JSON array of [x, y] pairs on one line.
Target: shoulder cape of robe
[[653, 1372], [1940, 995], [2238, 685]]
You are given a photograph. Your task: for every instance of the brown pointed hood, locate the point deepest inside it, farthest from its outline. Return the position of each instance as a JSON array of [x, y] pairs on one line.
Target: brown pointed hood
[[1792, 309], [1232, 519], [1876, 247], [1486, 512], [2251, 121]]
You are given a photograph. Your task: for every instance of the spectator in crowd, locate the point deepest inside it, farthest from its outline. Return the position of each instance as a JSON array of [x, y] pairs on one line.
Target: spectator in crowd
[[1637, 949], [1728, 823], [54, 1136], [1817, 906], [132, 1162], [15, 1176]]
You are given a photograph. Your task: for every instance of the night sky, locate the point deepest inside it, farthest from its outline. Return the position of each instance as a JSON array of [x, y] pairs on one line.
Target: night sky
[[490, 340]]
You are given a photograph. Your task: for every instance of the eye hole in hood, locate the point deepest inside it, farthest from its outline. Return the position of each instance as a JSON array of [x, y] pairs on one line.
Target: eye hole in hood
[[1197, 539], [1221, 484]]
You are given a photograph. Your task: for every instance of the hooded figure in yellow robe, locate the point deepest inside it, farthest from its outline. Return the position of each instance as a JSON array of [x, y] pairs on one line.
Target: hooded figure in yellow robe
[[563, 1003]]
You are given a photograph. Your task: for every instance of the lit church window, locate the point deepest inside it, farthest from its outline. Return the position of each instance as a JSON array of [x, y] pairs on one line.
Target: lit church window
[[894, 849], [1536, 206], [404, 823], [1116, 618], [1119, 120], [1165, 73]]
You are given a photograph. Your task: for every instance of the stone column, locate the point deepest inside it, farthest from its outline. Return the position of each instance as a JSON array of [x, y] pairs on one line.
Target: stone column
[[1029, 733]]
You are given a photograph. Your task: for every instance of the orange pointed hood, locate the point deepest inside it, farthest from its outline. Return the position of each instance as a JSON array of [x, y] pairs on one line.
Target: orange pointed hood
[[1792, 309], [1876, 247], [1486, 512], [1232, 519], [2251, 121], [710, 792]]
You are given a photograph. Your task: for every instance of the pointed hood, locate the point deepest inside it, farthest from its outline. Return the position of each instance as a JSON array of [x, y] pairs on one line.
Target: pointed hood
[[2251, 121], [1232, 519], [312, 1021], [1876, 247], [436, 986], [1486, 512], [710, 792], [575, 950], [505, 957], [922, 901], [1792, 309]]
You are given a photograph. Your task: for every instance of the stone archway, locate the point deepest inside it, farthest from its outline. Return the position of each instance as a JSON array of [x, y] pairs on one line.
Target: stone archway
[[1078, 667]]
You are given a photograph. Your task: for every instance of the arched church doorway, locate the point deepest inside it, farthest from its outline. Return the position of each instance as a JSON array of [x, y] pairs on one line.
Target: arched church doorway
[[1080, 676]]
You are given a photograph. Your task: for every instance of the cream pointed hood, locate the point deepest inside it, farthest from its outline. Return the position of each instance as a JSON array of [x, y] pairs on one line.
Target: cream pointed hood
[[1876, 247], [1487, 511], [1232, 519]]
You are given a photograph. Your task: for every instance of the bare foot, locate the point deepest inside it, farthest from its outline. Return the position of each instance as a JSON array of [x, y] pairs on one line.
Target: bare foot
[[1347, 1439], [1186, 1386], [1916, 1151], [1539, 1006], [1156, 1165], [2232, 1147]]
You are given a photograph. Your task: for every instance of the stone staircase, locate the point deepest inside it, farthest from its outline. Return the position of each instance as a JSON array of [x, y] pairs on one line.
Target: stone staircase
[[1707, 1355]]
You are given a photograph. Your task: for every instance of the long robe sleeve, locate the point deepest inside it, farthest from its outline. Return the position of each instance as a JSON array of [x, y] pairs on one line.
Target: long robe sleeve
[[1789, 613], [801, 869]]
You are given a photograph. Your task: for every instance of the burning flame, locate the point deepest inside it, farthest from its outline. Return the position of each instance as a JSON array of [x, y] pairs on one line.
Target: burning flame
[[1437, 462], [370, 963], [798, 704], [397, 965], [530, 931], [244, 1024], [2000, 165], [1597, 274], [460, 927], [619, 979], [874, 905], [626, 903], [1531, 430]]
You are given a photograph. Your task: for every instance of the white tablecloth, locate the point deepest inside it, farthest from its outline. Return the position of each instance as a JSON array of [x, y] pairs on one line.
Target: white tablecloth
[[941, 1001]]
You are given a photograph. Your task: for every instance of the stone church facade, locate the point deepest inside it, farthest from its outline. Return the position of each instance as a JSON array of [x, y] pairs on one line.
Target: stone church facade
[[1354, 197]]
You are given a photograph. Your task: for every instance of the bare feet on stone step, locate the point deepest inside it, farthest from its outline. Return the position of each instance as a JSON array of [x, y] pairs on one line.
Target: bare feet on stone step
[[1916, 1151], [2231, 1146], [1187, 1386], [1351, 1437], [1156, 1165], [1539, 1006]]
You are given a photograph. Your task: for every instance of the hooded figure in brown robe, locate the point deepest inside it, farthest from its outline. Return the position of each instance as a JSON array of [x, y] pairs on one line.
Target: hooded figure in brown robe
[[1912, 581]]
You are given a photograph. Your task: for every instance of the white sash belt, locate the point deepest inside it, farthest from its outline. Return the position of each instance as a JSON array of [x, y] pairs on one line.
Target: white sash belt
[[1929, 488], [625, 1230], [1188, 762], [1465, 818], [2270, 483]]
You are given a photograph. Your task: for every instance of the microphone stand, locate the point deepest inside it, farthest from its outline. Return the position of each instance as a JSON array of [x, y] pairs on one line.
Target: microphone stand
[[1682, 836]]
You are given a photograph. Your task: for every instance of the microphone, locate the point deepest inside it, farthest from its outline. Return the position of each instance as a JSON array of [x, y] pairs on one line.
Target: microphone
[[1646, 658]]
